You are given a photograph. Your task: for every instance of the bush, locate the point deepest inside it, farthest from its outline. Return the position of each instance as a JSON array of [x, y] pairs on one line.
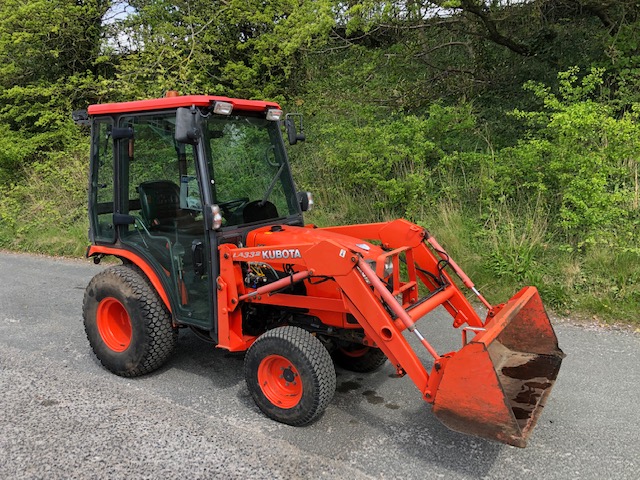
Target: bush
[[45, 212]]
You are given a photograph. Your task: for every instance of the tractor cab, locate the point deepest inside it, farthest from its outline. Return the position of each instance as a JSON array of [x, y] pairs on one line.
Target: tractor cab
[[173, 178]]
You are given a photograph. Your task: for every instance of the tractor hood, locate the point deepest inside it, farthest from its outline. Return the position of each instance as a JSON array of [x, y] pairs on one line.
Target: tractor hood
[[283, 235]]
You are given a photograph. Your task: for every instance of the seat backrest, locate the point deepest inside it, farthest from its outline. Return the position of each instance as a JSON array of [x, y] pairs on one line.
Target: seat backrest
[[259, 210], [159, 202]]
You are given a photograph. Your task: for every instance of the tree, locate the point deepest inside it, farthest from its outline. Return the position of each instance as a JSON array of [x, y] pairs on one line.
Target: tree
[[245, 48], [48, 50]]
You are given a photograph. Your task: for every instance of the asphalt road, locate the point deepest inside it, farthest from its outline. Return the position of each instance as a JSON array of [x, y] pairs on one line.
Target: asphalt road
[[64, 416]]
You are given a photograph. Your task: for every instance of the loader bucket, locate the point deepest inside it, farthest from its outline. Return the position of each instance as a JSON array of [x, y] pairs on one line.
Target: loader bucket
[[496, 386]]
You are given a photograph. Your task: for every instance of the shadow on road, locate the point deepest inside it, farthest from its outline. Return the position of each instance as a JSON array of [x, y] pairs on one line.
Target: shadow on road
[[370, 415]]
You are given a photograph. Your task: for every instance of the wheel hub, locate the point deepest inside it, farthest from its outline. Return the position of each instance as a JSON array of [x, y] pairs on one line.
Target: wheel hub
[[114, 324], [279, 381], [288, 374]]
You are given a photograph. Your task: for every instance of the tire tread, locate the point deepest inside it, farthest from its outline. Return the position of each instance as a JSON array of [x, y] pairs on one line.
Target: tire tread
[[319, 360], [162, 337]]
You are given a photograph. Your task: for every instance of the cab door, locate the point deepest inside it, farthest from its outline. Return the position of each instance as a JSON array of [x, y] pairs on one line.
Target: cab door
[[159, 187]]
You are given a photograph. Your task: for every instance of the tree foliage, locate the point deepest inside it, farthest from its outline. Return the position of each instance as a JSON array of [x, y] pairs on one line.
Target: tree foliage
[[245, 48], [511, 125], [47, 68]]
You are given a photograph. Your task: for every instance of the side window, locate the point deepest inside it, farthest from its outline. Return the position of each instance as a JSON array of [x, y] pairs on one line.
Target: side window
[[158, 169], [102, 182]]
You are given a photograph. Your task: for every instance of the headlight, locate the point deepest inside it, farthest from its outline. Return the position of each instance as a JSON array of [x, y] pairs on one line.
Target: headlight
[[216, 217], [274, 114], [222, 108], [388, 266]]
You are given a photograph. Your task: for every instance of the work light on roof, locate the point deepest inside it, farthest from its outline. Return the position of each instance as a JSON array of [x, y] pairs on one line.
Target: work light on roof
[[223, 108], [274, 114]]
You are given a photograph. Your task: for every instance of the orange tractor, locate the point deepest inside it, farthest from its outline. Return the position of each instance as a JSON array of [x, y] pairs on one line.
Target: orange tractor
[[194, 195]]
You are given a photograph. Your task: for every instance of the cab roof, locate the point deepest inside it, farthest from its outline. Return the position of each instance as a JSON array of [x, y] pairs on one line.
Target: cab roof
[[168, 103]]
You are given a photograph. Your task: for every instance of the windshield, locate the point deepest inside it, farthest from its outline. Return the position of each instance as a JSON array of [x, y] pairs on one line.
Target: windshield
[[250, 179]]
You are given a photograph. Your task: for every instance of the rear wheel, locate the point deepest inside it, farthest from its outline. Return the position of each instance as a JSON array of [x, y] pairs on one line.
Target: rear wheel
[[359, 358], [128, 326], [290, 375]]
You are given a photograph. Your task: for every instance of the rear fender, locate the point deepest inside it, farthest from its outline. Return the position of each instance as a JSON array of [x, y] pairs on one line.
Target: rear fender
[[137, 261]]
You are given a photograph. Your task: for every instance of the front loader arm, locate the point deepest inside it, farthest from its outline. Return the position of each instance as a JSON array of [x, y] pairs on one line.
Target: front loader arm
[[401, 233], [495, 386]]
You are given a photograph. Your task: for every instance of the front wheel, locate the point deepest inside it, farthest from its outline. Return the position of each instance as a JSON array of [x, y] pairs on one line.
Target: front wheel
[[290, 375], [128, 326]]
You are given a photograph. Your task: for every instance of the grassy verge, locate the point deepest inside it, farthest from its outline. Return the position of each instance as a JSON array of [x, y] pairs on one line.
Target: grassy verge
[[504, 254], [597, 285], [45, 212], [600, 284]]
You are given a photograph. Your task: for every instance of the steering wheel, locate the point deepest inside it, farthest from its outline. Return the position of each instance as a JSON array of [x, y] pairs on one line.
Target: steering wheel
[[231, 205]]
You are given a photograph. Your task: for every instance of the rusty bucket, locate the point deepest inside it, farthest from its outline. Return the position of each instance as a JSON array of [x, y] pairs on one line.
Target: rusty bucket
[[496, 386]]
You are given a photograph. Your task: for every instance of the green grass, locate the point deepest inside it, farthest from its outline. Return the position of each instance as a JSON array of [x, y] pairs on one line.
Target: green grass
[[601, 284], [511, 251], [57, 240], [45, 212]]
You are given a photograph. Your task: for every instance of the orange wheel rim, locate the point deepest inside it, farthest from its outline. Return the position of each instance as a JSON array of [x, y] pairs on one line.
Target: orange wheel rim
[[114, 324], [356, 352], [280, 381]]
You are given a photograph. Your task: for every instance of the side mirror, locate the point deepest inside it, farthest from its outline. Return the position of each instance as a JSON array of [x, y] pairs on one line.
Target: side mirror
[[81, 117], [290, 124], [187, 125], [306, 201]]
